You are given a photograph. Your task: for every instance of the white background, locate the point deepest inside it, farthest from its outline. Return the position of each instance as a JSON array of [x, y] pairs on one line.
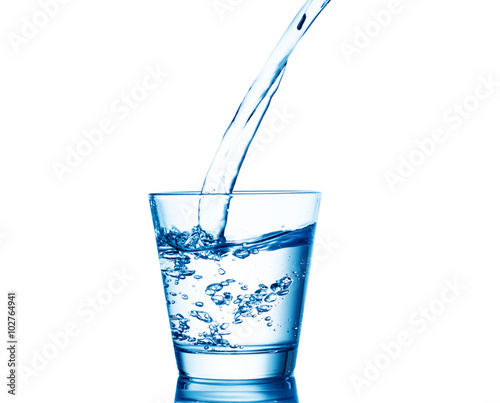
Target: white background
[[387, 252]]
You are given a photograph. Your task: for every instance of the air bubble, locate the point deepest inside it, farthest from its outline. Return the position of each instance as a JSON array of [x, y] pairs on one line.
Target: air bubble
[[213, 288], [241, 253], [285, 282], [218, 299], [201, 315], [264, 308], [271, 298]]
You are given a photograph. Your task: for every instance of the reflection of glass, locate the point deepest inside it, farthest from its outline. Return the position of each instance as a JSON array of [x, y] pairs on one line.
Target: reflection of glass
[[282, 390], [235, 305]]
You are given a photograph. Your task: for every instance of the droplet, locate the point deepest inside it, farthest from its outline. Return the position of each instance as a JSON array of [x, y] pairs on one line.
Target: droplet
[[200, 304]]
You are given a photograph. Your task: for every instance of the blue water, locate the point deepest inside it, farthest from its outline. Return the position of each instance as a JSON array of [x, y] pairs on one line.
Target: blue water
[[242, 129], [240, 294]]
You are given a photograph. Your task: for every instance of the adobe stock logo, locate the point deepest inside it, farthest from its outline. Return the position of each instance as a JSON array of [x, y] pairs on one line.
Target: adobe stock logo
[[86, 312], [455, 116], [122, 106], [223, 7], [3, 237], [423, 318], [363, 37], [31, 27]]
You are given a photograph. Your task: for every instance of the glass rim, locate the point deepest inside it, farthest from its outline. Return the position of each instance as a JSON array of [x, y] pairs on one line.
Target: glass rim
[[238, 193]]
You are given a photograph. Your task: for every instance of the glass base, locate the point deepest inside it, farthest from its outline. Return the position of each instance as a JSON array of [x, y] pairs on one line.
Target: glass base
[[275, 390], [241, 365]]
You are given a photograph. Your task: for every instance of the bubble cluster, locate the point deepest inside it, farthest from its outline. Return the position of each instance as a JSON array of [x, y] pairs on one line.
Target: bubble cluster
[[248, 305], [180, 329], [211, 338], [251, 305], [196, 239], [224, 298], [174, 259], [175, 266]]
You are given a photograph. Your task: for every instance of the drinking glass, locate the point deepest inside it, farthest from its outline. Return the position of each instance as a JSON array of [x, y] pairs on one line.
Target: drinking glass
[[235, 303]]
